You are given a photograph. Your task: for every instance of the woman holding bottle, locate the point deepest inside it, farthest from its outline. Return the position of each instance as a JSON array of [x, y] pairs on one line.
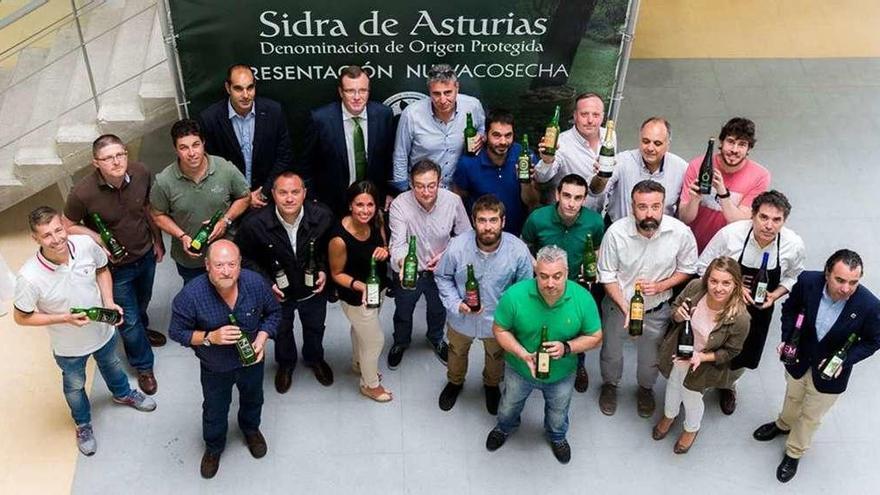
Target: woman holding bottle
[[358, 250], [713, 308]]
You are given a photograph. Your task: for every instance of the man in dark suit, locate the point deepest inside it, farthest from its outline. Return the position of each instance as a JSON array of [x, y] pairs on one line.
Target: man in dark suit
[[832, 310], [250, 131], [348, 142]]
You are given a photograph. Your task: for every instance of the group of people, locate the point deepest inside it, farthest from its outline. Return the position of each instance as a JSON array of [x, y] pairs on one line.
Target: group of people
[[259, 237]]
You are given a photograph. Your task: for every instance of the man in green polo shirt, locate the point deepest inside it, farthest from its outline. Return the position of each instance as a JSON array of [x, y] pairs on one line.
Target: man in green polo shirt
[[190, 191], [573, 325], [566, 224]]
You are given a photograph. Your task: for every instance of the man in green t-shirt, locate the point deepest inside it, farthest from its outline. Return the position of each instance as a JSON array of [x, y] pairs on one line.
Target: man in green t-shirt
[[572, 321]]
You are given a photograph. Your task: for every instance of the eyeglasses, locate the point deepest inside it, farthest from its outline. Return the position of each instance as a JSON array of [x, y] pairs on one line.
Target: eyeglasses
[[118, 157], [356, 92]]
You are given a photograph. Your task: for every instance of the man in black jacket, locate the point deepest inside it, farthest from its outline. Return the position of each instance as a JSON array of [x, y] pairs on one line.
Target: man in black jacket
[[287, 243], [249, 131], [829, 308]]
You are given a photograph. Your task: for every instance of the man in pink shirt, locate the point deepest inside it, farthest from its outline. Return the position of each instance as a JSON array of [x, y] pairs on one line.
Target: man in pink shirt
[[736, 182]]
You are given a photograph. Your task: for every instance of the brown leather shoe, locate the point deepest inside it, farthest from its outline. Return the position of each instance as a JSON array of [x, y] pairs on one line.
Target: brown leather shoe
[[581, 380], [147, 382], [727, 401], [645, 402], [210, 465], [608, 399], [256, 444], [155, 338], [661, 429], [685, 442], [323, 373], [283, 380]]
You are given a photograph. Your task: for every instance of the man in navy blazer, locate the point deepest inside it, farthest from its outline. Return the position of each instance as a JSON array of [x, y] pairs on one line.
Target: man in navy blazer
[[348, 142], [250, 131], [834, 306]]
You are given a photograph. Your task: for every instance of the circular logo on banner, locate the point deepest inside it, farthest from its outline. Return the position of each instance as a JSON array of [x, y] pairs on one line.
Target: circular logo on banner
[[400, 101]]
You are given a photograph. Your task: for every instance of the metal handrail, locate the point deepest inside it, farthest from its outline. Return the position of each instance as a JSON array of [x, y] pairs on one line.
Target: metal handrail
[[48, 28]]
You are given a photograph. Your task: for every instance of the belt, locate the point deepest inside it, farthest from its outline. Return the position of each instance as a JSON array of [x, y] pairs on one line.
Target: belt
[[657, 307]]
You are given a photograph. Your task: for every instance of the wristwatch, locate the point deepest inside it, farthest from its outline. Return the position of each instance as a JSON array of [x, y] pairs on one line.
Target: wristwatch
[[722, 196], [205, 341], [229, 222], [567, 349]]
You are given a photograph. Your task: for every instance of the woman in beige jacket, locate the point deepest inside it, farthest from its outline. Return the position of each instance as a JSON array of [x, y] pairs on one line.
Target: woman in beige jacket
[[720, 323]]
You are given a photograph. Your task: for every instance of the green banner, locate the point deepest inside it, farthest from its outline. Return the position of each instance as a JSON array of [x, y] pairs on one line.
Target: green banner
[[525, 56]]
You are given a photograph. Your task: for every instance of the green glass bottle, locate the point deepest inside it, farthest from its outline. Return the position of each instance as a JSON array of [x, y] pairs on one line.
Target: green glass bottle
[[836, 361], [551, 134], [524, 162], [310, 274], [117, 251], [590, 271], [472, 291], [410, 266], [200, 240], [636, 312], [373, 287], [470, 135], [101, 315], [542, 361], [607, 153], [706, 172], [246, 353]]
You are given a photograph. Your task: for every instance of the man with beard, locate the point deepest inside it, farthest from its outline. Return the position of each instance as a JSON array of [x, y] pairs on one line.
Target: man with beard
[[494, 171], [657, 252], [747, 241], [736, 182], [498, 260]]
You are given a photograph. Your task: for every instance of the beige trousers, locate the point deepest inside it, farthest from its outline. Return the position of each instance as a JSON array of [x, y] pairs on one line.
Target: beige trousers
[[367, 341], [457, 365], [802, 412]]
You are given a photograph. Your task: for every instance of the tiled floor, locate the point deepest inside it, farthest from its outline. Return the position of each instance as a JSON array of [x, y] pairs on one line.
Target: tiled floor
[[817, 121]]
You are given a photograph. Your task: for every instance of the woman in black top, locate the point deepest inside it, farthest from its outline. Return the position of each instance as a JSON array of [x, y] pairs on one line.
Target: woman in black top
[[357, 240]]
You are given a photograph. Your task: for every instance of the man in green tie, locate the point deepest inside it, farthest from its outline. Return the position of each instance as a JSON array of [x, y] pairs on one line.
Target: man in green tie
[[347, 141]]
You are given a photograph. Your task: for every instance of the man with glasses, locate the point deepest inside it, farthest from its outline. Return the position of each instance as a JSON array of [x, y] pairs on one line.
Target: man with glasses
[[433, 129], [118, 195], [347, 142], [250, 131]]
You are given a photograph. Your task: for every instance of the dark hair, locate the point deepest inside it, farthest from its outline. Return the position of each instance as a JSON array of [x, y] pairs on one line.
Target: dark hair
[[488, 202], [183, 128], [367, 187], [423, 166], [660, 120], [847, 257], [105, 140], [739, 128], [499, 116], [41, 216], [287, 174], [773, 198], [233, 68], [647, 186], [352, 72], [441, 73], [588, 94], [572, 179]]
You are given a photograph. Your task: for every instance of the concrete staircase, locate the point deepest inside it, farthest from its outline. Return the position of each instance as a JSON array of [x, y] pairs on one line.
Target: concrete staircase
[[48, 116]]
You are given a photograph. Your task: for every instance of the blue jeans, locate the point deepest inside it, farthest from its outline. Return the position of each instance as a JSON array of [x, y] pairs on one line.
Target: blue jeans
[[217, 392], [73, 373], [132, 289], [312, 313], [405, 304], [557, 398], [188, 274]]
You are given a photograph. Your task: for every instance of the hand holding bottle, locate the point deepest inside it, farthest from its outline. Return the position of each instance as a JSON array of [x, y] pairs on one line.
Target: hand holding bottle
[[219, 230], [259, 344], [75, 319], [718, 183], [466, 310], [319, 282], [555, 348], [380, 253], [650, 288], [225, 335], [683, 312]]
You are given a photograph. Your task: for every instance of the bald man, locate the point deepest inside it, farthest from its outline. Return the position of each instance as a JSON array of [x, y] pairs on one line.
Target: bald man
[[201, 318]]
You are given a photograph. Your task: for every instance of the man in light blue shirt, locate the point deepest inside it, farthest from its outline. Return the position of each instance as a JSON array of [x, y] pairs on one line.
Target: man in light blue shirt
[[499, 260], [243, 125], [433, 129]]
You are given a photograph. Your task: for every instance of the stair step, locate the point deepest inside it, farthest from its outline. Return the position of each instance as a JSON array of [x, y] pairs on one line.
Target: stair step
[[8, 179], [122, 103], [26, 157], [19, 98], [156, 83]]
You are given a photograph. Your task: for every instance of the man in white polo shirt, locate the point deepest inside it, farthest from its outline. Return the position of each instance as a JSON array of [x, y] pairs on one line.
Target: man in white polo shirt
[[71, 272]]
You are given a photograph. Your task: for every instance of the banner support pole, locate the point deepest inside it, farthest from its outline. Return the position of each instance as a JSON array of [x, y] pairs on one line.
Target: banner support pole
[[627, 37], [170, 38]]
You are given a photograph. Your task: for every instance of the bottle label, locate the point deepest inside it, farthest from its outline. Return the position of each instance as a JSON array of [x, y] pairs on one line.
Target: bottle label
[[309, 279], [410, 274], [832, 366], [550, 136], [281, 280], [543, 365], [685, 349], [636, 311], [590, 270], [472, 144], [606, 165], [472, 298], [372, 294], [761, 293], [523, 168], [788, 353]]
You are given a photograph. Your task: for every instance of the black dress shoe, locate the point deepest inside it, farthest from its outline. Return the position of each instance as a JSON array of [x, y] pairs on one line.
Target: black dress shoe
[[155, 338], [493, 397], [787, 468], [210, 465], [449, 395], [256, 443], [495, 440], [395, 356], [581, 379], [561, 450], [727, 401], [323, 373], [441, 350], [768, 431], [283, 379]]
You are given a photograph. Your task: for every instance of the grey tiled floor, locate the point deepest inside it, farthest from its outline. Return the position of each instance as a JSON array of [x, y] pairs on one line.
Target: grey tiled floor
[[817, 124]]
